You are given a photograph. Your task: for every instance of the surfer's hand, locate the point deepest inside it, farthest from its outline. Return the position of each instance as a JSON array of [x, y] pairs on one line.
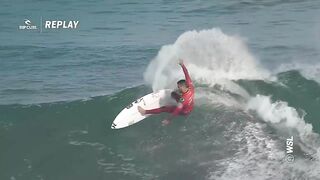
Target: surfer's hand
[[165, 122], [181, 62]]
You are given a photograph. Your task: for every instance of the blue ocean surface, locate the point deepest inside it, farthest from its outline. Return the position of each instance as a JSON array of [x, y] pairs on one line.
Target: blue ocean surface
[[255, 65]]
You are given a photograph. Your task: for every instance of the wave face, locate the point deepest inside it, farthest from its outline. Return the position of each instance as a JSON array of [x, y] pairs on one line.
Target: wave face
[[228, 136]]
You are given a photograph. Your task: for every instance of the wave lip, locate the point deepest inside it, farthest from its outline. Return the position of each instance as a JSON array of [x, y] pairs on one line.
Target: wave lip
[[279, 112]]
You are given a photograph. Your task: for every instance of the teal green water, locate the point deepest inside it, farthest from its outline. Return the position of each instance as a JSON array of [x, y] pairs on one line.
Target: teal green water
[[60, 90], [73, 140]]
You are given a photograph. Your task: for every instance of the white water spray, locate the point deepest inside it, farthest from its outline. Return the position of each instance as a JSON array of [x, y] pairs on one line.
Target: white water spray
[[211, 57]]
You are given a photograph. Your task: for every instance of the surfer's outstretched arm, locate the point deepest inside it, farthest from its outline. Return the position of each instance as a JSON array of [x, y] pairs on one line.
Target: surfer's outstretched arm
[[186, 73]]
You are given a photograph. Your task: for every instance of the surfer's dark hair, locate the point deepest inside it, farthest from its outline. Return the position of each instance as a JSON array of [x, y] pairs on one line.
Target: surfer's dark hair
[[182, 82]]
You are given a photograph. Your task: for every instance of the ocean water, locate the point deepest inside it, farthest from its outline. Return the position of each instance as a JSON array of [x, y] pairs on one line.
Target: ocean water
[[255, 65]]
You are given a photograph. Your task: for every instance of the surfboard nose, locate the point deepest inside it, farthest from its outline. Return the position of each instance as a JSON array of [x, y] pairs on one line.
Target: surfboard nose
[[113, 126]]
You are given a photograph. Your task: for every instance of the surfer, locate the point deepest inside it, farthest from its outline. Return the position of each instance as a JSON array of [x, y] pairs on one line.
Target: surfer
[[184, 96]]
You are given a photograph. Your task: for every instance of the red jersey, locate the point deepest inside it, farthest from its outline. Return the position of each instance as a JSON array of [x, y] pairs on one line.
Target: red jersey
[[187, 99]]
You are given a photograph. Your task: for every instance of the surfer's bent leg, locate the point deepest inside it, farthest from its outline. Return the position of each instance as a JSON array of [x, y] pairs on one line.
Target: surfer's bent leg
[[168, 109]]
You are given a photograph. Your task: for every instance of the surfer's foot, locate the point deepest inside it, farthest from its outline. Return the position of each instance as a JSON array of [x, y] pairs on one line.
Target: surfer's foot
[[141, 110]]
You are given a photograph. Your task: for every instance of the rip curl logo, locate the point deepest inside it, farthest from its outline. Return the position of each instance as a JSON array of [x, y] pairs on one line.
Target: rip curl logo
[[27, 22], [28, 25], [49, 24]]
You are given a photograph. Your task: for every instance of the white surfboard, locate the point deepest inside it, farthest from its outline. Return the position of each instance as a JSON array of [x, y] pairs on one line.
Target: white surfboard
[[130, 115]]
